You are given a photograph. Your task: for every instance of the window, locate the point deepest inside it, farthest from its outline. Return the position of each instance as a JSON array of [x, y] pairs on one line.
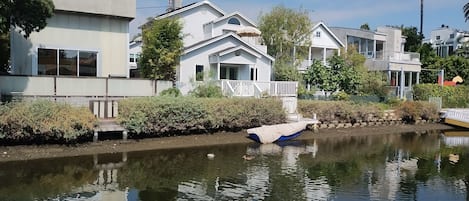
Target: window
[[132, 58], [234, 21], [199, 73], [438, 37], [254, 74], [318, 34], [451, 36], [67, 62]]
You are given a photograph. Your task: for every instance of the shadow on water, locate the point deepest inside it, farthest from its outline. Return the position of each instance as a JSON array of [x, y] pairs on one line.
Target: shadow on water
[[409, 166]]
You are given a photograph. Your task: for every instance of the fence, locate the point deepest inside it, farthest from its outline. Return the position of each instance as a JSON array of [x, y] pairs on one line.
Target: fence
[[246, 88]]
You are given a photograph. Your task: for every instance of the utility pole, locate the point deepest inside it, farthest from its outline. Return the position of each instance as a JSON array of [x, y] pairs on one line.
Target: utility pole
[[421, 17]]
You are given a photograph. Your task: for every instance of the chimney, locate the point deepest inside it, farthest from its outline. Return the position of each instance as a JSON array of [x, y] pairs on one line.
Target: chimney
[[174, 4]]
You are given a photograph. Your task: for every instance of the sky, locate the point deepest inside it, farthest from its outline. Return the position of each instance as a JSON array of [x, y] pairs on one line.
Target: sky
[[336, 13]]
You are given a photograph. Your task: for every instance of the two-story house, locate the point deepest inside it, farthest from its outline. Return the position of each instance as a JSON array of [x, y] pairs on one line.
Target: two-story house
[[85, 38], [384, 51], [445, 40], [219, 45]]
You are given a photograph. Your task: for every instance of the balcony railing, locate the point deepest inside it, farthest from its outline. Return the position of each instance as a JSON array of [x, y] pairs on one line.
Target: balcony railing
[[405, 56], [247, 88]]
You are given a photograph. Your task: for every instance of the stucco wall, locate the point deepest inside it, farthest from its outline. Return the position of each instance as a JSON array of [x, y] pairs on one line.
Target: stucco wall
[[106, 35], [120, 8]]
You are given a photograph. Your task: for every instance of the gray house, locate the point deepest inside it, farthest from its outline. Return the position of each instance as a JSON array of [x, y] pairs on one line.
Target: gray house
[[384, 51]]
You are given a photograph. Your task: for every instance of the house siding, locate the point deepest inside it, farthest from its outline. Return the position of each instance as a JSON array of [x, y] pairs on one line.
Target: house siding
[[106, 35], [193, 23]]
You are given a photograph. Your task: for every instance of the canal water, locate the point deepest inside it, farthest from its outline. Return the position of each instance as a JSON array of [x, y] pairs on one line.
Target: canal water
[[410, 166]]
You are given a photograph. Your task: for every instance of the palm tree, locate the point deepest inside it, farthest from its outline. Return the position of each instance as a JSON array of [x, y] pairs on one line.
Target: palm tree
[[466, 11]]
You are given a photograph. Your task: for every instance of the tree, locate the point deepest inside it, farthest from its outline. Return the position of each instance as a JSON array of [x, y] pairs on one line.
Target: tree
[[162, 48], [285, 31], [365, 26], [413, 40], [27, 16]]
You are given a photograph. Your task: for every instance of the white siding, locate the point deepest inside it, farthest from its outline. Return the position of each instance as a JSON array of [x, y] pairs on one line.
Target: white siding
[[106, 35], [326, 40], [193, 23]]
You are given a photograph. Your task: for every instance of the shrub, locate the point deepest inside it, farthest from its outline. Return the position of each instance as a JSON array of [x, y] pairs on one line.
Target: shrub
[[452, 96], [162, 116], [44, 122], [172, 92], [207, 90], [411, 111], [342, 111]]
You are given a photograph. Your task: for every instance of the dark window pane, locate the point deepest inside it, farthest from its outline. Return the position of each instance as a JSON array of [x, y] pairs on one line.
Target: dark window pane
[[223, 73], [199, 73], [234, 21], [88, 63], [47, 62], [68, 62], [233, 73]]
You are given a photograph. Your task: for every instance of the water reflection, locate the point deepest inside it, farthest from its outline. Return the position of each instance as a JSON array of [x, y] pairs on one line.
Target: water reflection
[[410, 166]]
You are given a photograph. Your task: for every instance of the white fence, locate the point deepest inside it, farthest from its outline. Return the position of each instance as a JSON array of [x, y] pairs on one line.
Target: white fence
[[38, 86], [246, 88]]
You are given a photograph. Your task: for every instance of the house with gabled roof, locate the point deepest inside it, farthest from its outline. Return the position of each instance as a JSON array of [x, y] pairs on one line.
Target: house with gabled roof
[[218, 46], [324, 44]]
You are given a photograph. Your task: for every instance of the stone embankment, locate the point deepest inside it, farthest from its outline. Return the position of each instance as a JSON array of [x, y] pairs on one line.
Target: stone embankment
[[389, 118]]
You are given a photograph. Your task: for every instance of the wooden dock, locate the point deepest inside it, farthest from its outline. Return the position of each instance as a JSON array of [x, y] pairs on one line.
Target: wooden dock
[[109, 125], [457, 117]]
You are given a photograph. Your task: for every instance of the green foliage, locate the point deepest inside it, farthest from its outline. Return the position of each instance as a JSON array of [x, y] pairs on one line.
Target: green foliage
[[161, 116], [341, 96], [342, 111], [344, 73], [452, 96], [365, 27], [27, 15], [172, 92], [413, 40], [207, 90], [285, 31], [373, 83], [44, 121], [284, 71], [161, 50]]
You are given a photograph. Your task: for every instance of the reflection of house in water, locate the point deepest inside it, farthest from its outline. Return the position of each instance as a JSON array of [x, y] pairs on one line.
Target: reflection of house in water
[[388, 182], [455, 138], [105, 187]]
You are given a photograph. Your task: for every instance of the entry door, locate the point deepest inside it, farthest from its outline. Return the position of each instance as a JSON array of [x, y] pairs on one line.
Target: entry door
[[229, 72]]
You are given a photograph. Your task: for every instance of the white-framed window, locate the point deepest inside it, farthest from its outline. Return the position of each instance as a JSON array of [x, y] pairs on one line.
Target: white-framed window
[[438, 37], [451, 35], [67, 62], [234, 21], [133, 58], [318, 34]]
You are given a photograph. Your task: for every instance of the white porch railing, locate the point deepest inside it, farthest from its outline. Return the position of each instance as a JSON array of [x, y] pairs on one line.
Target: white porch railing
[[246, 88]]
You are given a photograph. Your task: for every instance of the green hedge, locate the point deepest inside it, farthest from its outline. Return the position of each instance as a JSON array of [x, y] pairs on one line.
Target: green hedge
[[346, 111], [44, 122], [452, 96], [342, 111], [163, 116]]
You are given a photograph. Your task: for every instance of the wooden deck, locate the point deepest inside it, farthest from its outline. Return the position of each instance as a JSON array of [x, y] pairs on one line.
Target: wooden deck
[[457, 117]]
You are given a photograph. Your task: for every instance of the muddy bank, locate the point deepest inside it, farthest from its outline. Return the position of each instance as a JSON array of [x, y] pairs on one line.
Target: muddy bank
[[35, 152]]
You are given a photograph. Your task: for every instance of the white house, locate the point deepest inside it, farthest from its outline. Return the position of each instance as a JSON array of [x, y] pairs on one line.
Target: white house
[[218, 46], [324, 44], [85, 38], [445, 40], [135, 48]]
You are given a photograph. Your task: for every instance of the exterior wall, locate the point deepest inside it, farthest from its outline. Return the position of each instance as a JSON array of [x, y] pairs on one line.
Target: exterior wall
[[120, 8], [193, 22], [442, 41], [106, 35], [394, 38], [326, 40], [342, 34]]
